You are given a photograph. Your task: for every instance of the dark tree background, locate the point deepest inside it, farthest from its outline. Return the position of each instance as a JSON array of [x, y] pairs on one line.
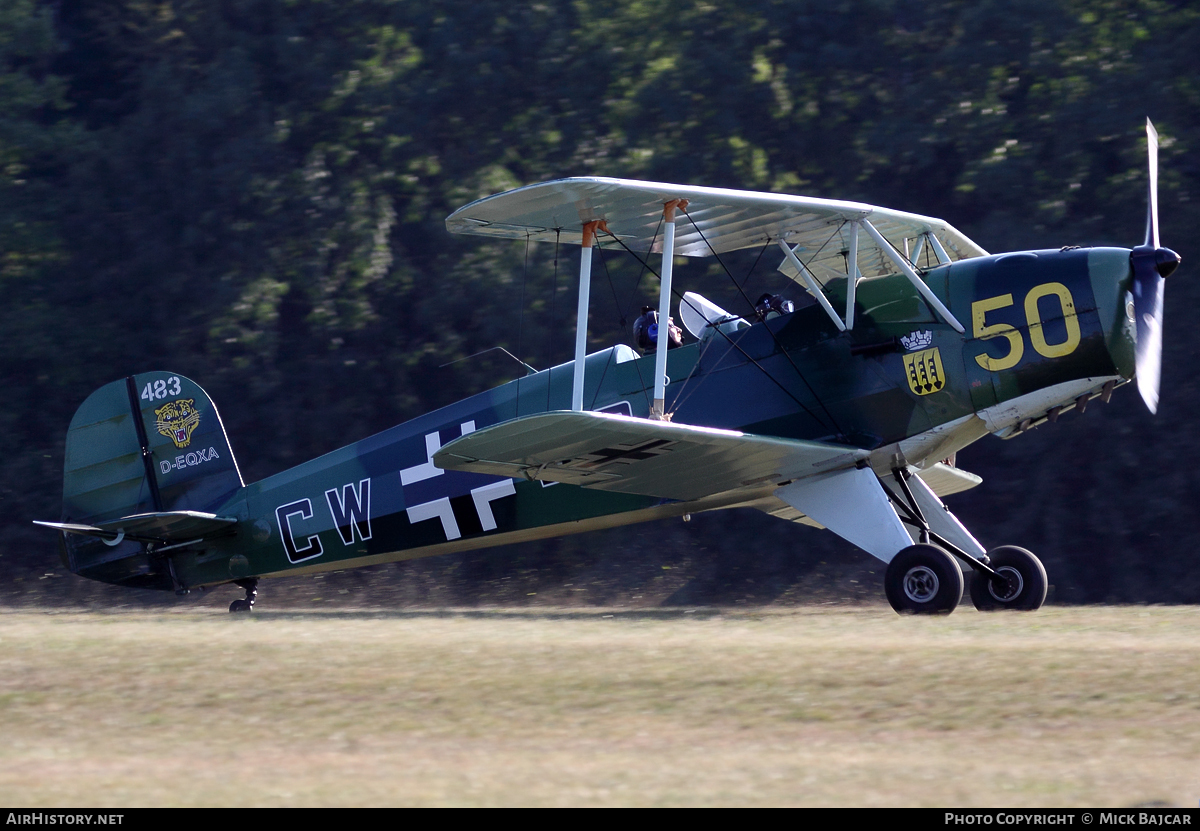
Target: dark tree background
[[252, 193]]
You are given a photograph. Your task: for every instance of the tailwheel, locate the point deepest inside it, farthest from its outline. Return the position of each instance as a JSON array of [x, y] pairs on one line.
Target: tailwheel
[[1024, 582], [246, 604], [923, 580]]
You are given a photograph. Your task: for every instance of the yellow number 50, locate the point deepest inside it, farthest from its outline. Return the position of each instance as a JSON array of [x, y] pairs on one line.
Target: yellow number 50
[[1037, 335]]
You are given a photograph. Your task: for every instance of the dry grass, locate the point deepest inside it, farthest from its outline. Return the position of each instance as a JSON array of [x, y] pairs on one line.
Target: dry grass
[[831, 706]]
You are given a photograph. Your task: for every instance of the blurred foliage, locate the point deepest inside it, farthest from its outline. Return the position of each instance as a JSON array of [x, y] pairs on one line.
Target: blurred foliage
[[252, 192]]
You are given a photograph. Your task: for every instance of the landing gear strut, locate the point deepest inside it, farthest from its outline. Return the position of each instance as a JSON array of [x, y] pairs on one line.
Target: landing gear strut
[[917, 582], [246, 605]]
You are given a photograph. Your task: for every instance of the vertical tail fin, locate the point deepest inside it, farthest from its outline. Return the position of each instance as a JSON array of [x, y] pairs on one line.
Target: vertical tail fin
[[148, 443]]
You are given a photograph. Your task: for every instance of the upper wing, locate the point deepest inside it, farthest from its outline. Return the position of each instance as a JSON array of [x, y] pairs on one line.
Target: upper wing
[[717, 220], [634, 455]]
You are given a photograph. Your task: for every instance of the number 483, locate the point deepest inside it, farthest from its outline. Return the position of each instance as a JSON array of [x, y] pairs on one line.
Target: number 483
[[1037, 335], [161, 389]]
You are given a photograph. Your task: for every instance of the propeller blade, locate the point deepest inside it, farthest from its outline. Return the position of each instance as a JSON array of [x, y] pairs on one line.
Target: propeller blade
[[1151, 264], [1147, 308], [1152, 203]]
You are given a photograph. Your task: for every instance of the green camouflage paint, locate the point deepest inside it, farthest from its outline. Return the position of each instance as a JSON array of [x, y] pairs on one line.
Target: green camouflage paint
[[900, 372]]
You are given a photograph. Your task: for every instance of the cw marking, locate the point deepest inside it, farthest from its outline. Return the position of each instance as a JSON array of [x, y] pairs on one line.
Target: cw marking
[[351, 510], [283, 515]]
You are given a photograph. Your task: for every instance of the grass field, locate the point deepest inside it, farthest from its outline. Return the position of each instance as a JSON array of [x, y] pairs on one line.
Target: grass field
[[809, 706]]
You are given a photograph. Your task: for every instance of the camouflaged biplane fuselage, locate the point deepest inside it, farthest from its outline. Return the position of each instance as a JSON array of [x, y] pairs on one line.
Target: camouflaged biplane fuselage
[[1044, 330]]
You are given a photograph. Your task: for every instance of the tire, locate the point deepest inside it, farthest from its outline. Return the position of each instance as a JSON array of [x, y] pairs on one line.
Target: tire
[[923, 580], [240, 606], [1027, 577]]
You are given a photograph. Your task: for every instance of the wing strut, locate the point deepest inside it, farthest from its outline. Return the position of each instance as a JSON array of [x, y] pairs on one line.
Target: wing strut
[[915, 254], [943, 257], [658, 410], [852, 272], [813, 286], [918, 283], [585, 287]]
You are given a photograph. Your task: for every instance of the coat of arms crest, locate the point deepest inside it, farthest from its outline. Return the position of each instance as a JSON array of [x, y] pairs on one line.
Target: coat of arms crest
[[924, 370]]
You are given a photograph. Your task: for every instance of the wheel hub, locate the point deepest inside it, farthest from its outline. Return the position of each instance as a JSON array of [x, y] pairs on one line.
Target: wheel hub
[[1013, 584], [920, 584]]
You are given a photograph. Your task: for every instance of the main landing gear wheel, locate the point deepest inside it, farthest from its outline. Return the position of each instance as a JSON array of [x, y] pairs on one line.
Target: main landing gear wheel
[[1025, 577], [923, 580]]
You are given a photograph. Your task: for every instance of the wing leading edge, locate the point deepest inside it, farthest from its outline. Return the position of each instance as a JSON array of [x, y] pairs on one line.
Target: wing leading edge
[[632, 455]]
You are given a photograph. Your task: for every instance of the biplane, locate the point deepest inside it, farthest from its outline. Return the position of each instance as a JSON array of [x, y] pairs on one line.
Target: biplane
[[846, 412]]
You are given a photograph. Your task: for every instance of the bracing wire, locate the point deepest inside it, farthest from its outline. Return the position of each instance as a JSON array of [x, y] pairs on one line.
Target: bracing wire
[[735, 345], [617, 306], [521, 321], [774, 337], [611, 286], [642, 271], [754, 265], [680, 398], [624, 313]]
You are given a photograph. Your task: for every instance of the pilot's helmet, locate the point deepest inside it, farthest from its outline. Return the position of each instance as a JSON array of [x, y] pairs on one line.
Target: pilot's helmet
[[773, 305], [645, 331]]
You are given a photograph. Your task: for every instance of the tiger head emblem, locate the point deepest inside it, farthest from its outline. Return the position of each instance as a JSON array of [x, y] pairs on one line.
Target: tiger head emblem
[[177, 420]]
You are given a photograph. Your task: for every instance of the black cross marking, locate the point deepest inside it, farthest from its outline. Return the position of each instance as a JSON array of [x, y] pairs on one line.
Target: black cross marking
[[624, 455]]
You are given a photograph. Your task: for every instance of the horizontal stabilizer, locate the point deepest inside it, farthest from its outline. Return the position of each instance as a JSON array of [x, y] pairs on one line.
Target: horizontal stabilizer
[[166, 527], [634, 455]]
